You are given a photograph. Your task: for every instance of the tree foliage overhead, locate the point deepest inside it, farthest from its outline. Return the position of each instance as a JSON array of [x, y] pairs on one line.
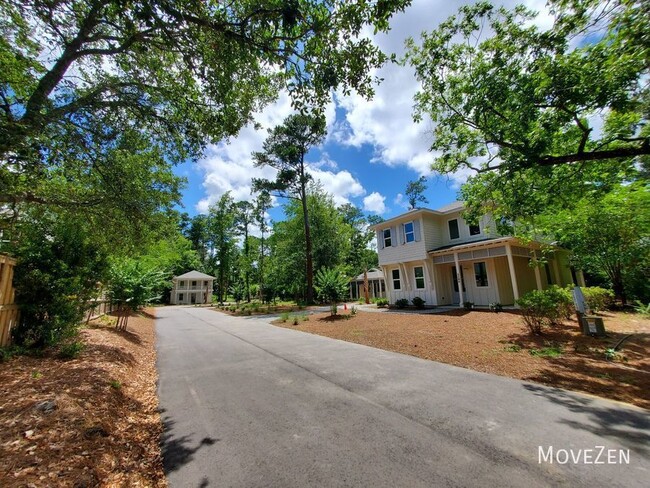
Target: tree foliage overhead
[[76, 76], [521, 97]]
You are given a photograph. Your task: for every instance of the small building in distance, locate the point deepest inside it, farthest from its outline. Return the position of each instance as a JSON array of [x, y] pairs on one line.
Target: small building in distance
[[376, 285], [191, 288]]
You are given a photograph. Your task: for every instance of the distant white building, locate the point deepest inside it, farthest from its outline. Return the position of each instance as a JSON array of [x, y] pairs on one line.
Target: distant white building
[[191, 288], [376, 285]]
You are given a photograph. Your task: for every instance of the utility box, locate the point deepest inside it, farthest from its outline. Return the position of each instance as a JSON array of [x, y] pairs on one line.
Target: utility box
[[592, 325]]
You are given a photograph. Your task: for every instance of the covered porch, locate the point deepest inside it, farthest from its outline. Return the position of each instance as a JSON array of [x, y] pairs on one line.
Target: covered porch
[[376, 285], [496, 270]]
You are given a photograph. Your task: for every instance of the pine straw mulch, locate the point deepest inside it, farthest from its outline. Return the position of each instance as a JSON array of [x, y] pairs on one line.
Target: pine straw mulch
[[500, 344], [89, 421]]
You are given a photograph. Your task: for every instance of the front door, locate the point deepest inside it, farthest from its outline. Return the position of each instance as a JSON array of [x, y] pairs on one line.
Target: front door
[[193, 298], [454, 284]]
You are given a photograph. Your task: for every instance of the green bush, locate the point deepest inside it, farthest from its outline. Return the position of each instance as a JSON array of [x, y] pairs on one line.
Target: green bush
[[418, 302], [382, 302], [641, 309], [598, 298], [71, 350], [541, 308], [284, 316], [496, 307], [468, 305], [401, 303], [332, 286]]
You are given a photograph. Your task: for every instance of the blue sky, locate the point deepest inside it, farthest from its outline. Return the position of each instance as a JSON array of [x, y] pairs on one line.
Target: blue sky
[[373, 147]]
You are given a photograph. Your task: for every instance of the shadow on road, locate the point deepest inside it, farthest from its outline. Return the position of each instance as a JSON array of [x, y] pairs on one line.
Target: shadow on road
[[606, 422], [178, 451]]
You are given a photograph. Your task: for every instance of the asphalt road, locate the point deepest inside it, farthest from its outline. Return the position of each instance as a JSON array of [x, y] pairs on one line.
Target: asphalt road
[[247, 404]]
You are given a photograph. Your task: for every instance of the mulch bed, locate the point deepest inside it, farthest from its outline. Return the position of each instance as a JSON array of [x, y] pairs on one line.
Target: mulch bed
[[500, 344], [89, 421]]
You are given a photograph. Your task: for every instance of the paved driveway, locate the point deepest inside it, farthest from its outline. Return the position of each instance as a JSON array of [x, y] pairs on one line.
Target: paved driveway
[[247, 404]]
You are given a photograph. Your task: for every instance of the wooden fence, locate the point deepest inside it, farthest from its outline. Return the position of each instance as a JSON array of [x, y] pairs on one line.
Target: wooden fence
[[99, 307], [8, 309]]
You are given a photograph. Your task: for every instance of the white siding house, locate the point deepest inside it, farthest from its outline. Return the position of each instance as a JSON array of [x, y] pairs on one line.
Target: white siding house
[[191, 288], [437, 256]]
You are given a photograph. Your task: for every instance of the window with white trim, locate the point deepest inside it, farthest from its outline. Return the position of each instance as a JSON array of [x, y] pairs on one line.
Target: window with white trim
[[181, 284], [419, 277], [474, 230], [180, 297], [396, 281], [409, 232], [387, 238], [454, 233], [480, 273]]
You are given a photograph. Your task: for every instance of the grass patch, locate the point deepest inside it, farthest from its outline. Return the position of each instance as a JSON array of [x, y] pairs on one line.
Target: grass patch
[[550, 351], [512, 348]]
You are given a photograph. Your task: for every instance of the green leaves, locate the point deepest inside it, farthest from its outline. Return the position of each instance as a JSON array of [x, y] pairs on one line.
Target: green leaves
[[504, 94], [331, 286]]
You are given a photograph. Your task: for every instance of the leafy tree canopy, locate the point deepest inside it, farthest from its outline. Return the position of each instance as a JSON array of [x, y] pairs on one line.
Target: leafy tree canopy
[[518, 104], [79, 76]]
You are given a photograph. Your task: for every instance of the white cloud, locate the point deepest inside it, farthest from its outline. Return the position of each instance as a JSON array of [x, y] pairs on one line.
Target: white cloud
[[374, 203], [229, 166], [400, 201], [341, 185]]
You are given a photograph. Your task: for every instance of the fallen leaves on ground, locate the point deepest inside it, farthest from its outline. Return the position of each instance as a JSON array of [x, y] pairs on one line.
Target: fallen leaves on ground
[[85, 422]]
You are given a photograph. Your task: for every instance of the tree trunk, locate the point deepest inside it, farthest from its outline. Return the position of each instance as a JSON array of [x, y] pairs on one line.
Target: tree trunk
[[309, 265], [365, 286], [246, 273]]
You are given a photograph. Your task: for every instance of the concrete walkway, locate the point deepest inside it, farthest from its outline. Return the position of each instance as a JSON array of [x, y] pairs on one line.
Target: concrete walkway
[[247, 404]]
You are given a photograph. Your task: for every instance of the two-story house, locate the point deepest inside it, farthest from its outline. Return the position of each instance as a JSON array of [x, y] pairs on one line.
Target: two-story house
[[437, 256], [191, 288]]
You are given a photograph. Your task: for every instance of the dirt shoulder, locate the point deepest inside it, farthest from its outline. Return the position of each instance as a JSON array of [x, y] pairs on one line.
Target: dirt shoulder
[[500, 344], [89, 421]]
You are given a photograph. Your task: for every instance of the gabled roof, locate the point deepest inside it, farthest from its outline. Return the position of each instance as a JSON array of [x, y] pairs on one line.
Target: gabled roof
[[194, 275], [452, 207], [373, 274]]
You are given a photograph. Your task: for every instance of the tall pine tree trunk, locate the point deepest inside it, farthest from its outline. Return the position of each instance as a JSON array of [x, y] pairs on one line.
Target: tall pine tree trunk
[[309, 264]]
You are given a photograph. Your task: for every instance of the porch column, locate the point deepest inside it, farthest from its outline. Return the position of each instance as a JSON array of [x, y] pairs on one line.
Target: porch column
[[556, 270], [538, 276], [459, 278], [513, 274], [581, 278]]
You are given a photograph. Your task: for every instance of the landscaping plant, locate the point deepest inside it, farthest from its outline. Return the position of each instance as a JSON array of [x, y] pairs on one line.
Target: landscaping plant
[[401, 303], [331, 286], [418, 303]]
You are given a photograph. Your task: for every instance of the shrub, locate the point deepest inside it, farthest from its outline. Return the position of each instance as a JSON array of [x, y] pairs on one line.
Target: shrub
[[332, 286], [71, 350], [418, 302], [382, 302], [545, 307], [353, 310], [284, 316], [496, 307], [401, 303], [551, 350], [563, 299], [643, 310], [468, 305], [116, 385], [598, 298]]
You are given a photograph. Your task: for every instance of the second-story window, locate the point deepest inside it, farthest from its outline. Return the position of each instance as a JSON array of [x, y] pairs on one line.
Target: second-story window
[[387, 238], [396, 281], [453, 229], [182, 284], [474, 230], [409, 232]]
